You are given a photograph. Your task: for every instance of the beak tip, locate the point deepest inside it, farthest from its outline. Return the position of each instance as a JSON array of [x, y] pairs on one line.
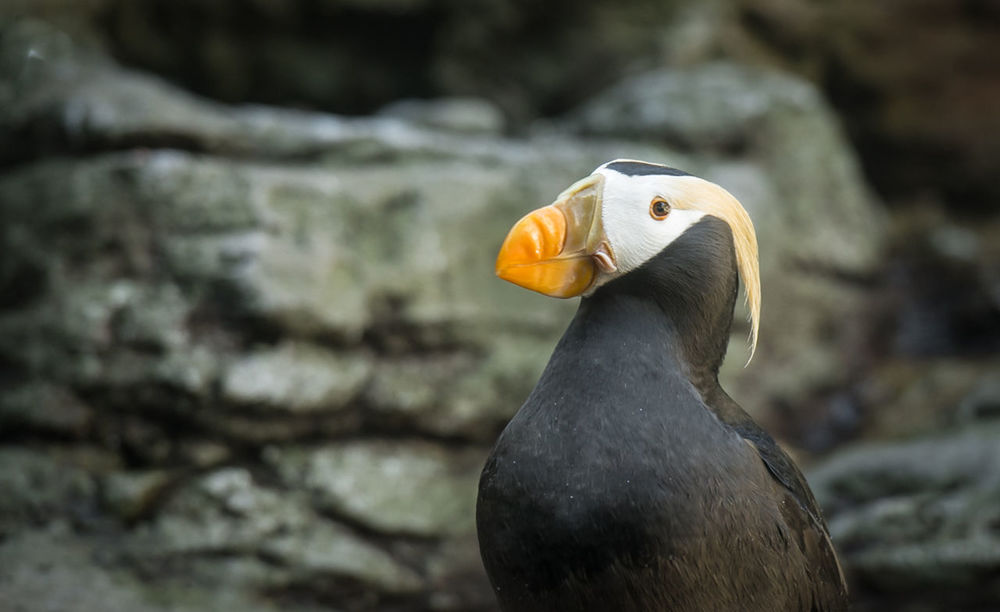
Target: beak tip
[[504, 272]]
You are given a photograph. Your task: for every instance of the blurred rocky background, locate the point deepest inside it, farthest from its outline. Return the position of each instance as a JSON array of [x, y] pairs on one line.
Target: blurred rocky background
[[252, 352]]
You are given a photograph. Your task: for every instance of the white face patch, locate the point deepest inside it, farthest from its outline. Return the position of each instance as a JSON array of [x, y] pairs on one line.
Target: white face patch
[[633, 234]]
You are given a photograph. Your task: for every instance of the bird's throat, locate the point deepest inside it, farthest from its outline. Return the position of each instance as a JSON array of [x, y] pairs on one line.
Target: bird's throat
[[690, 290]]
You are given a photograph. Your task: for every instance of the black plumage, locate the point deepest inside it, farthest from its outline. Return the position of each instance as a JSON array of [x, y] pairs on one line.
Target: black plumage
[[632, 167], [630, 481]]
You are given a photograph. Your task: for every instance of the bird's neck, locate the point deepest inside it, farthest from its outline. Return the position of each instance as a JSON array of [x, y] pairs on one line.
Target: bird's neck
[[693, 285]]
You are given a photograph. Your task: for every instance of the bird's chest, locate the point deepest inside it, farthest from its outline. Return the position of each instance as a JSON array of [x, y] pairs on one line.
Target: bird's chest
[[574, 472], [614, 449], [579, 505], [576, 492]]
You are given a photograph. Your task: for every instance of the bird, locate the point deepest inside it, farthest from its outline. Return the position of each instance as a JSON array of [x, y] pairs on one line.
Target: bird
[[629, 480]]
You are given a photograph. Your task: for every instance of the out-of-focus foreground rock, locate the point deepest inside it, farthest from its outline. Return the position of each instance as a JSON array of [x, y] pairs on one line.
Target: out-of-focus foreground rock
[[254, 357]]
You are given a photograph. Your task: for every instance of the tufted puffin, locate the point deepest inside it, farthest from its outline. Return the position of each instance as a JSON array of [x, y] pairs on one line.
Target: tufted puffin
[[629, 480]]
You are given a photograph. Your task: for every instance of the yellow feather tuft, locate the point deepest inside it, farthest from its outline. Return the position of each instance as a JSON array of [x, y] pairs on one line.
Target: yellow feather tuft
[[712, 199]]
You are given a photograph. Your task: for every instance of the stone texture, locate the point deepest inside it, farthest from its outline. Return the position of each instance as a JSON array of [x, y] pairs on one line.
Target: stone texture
[[397, 488], [133, 495], [295, 377], [467, 115], [328, 552], [944, 283], [45, 408], [274, 542], [56, 571], [38, 489], [918, 397], [455, 395], [918, 520], [223, 510]]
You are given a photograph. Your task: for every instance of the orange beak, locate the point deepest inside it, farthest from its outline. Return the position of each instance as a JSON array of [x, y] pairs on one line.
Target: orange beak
[[559, 250]]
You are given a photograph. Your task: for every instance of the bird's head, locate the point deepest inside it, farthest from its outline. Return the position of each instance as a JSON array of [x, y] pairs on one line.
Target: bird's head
[[612, 222]]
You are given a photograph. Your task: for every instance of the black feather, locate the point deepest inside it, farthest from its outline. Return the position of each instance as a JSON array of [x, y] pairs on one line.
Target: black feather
[[638, 168]]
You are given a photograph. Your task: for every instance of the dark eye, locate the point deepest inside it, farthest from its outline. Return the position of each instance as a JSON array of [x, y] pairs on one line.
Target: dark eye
[[659, 209]]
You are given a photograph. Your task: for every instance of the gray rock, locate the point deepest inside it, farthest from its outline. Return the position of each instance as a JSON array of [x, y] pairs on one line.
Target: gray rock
[[456, 582], [226, 513], [132, 495], [44, 407], [712, 106], [918, 519], [296, 377], [458, 394], [223, 510], [983, 402], [327, 552], [922, 397], [414, 488], [58, 571], [38, 489], [467, 115]]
